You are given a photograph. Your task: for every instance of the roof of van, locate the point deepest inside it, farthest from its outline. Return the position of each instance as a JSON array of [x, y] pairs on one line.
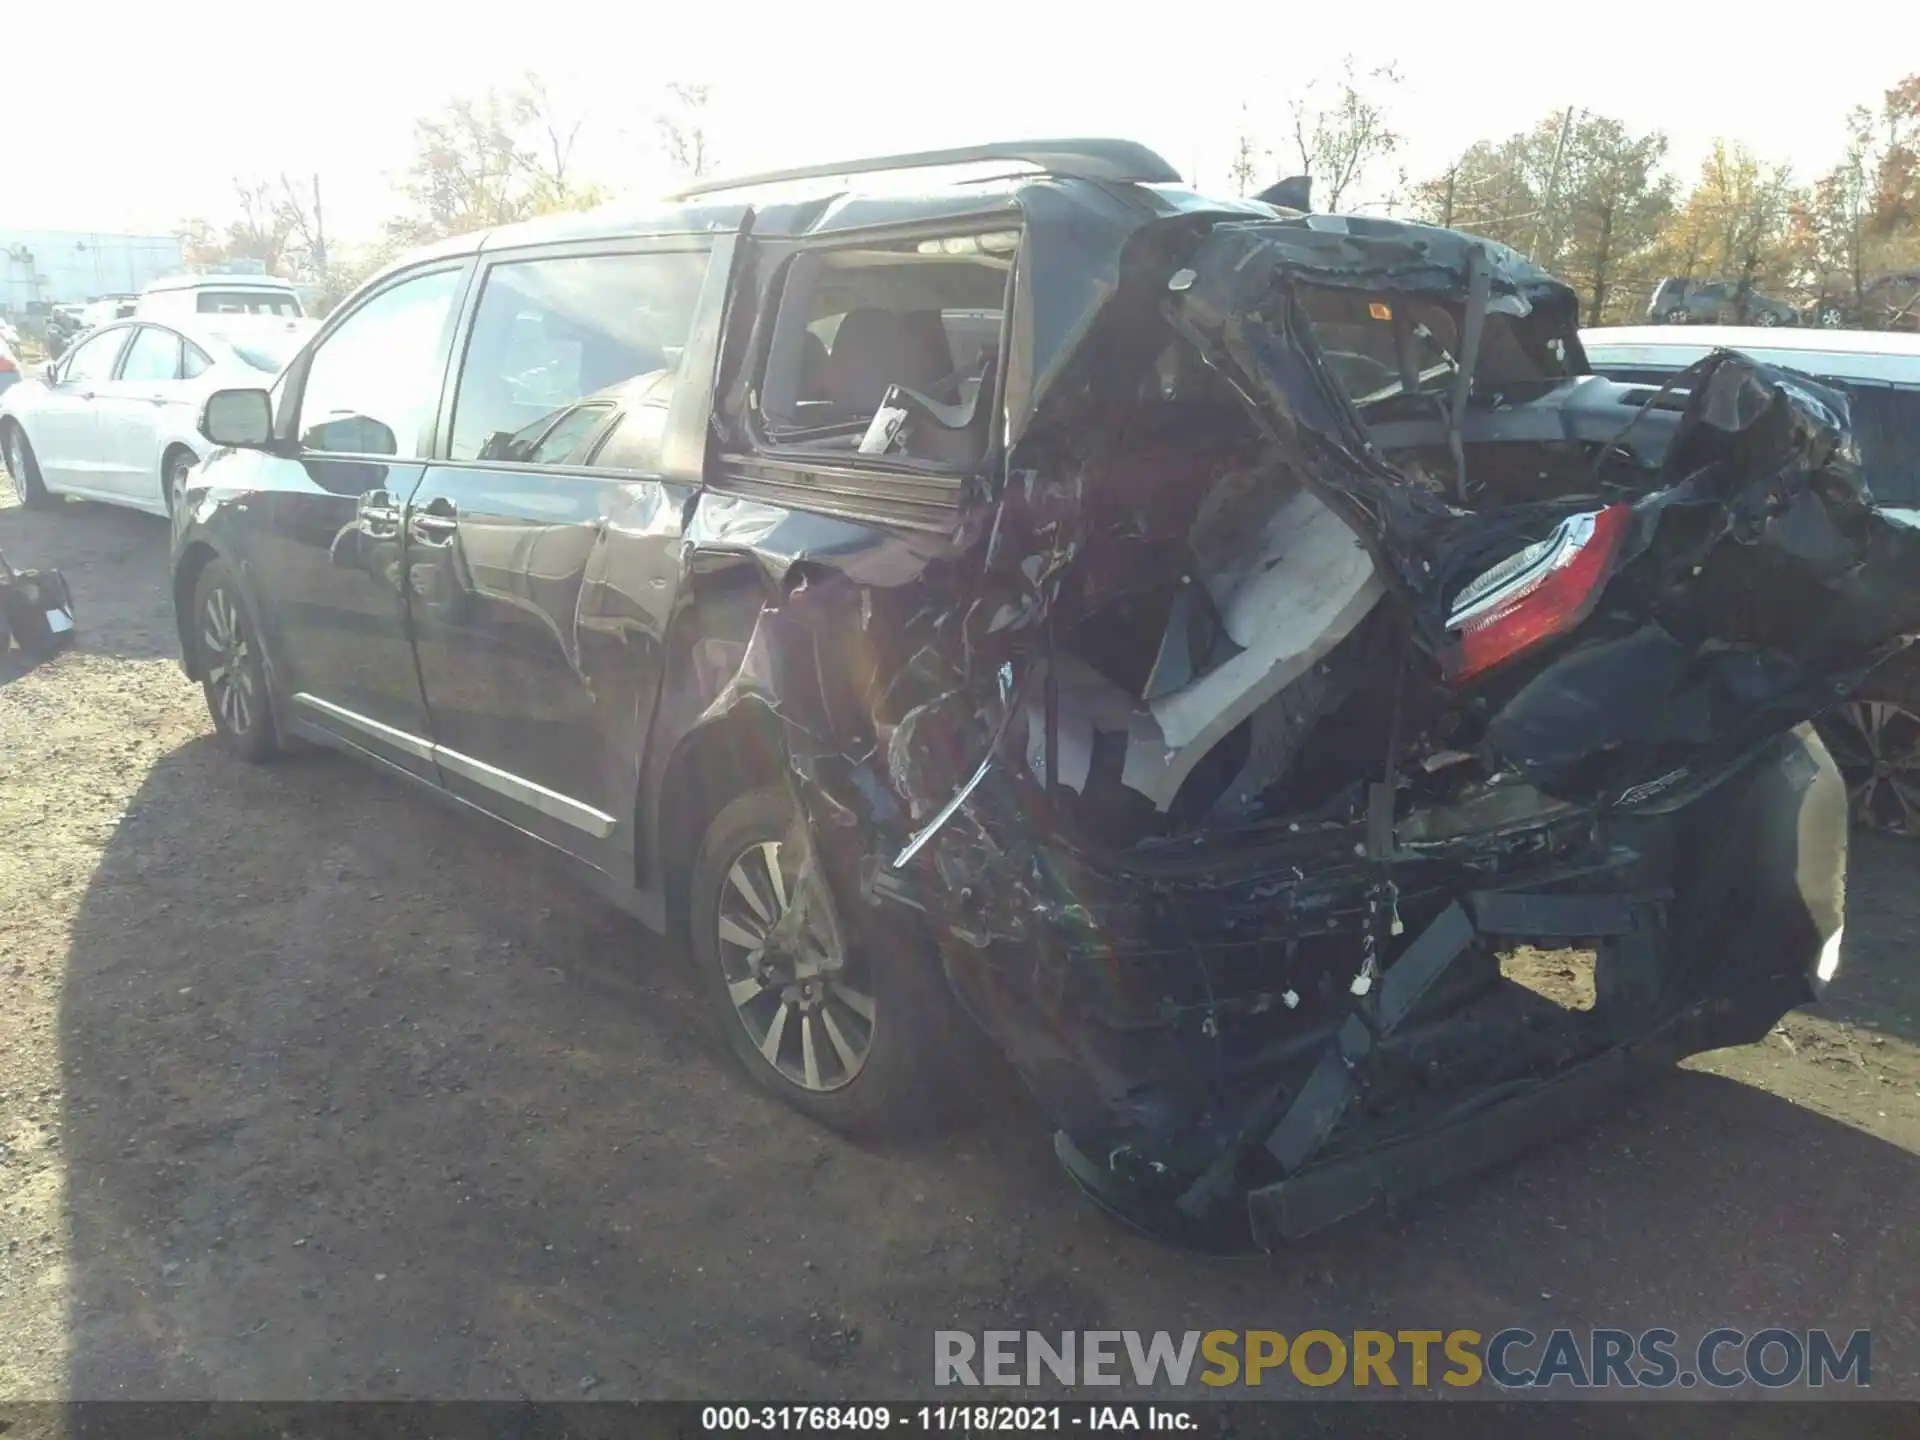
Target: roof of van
[[1883, 355], [220, 282]]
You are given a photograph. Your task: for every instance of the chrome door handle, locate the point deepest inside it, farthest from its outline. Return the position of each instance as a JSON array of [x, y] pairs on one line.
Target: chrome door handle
[[429, 528], [158, 399], [86, 394], [376, 507]]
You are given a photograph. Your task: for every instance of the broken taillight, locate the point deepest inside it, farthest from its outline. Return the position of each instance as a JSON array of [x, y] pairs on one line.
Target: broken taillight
[[1536, 593]]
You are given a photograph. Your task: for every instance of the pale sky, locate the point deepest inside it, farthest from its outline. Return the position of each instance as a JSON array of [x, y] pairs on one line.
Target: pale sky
[[147, 115]]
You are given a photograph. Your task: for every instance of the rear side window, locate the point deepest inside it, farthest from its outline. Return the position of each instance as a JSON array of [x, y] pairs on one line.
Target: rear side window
[[245, 302], [1886, 425], [549, 334], [194, 361], [154, 355], [919, 319]]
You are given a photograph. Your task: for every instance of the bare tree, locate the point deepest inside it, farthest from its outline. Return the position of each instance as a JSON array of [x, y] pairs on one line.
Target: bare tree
[[1339, 139], [683, 129], [1244, 169], [488, 160], [260, 231]]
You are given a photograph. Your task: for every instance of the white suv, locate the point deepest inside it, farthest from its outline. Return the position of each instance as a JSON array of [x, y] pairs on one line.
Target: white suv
[[186, 295]]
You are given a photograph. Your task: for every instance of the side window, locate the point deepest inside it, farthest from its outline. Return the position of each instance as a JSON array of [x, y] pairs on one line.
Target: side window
[[548, 334], [93, 360], [194, 362], [372, 385], [154, 355], [890, 349], [1886, 425]]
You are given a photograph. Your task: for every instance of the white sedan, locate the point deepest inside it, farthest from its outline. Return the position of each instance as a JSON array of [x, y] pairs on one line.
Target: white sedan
[[114, 419]]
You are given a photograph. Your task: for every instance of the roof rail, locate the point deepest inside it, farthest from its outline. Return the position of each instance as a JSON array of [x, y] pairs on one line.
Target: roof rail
[[1090, 159]]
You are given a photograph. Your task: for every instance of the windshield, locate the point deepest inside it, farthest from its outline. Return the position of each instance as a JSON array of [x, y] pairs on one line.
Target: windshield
[[246, 302]]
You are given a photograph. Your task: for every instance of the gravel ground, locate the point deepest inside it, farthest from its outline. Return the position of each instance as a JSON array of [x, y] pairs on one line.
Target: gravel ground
[[310, 1088]]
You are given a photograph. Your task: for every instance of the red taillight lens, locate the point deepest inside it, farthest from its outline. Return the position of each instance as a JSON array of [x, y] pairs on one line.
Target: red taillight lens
[[1542, 591], [7, 365]]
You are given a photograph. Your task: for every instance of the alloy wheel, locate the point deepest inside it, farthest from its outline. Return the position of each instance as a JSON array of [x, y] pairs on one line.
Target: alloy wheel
[[808, 1010], [1876, 744], [230, 672]]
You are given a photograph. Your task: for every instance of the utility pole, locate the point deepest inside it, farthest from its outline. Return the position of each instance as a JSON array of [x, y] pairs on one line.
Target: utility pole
[[1446, 209], [1553, 184], [319, 233]]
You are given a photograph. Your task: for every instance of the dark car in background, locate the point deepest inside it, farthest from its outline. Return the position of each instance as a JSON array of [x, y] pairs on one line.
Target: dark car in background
[[1886, 302], [1190, 640], [1679, 301]]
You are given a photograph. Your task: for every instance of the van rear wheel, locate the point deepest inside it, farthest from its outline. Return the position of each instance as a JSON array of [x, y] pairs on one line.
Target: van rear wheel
[[847, 1037], [1875, 740]]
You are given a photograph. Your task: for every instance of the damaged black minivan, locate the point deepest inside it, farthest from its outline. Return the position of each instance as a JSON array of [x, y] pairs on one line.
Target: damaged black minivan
[[1205, 645]]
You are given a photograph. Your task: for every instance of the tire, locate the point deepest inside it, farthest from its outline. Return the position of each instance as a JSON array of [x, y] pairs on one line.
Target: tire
[[173, 475], [1679, 317], [234, 679], [17, 452], [1875, 740], [1766, 319], [875, 1033]]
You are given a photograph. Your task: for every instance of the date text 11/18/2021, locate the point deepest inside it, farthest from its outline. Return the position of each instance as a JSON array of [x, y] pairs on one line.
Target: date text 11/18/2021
[[944, 1419]]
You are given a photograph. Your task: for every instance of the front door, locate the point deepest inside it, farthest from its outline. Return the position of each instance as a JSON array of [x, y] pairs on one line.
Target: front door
[[542, 552], [132, 407], [65, 428], [332, 569]]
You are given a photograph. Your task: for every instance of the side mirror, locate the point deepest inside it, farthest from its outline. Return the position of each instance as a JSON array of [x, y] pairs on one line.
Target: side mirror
[[241, 418]]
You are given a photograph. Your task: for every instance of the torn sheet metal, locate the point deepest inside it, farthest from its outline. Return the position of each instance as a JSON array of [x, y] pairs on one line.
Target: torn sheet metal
[[1168, 751]]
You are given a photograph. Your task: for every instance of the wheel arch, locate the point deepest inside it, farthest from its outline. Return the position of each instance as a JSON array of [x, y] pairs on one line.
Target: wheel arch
[[172, 448], [186, 575], [698, 756], [729, 755]]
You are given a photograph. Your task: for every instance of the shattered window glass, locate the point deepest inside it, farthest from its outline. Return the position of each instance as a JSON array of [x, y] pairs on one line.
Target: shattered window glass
[[1363, 337], [919, 321], [1381, 346]]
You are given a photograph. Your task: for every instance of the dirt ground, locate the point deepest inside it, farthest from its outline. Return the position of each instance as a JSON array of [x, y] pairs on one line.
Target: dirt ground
[[310, 1088]]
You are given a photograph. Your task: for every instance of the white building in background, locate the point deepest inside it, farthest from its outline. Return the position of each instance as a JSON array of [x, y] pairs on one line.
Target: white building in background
[[60, 267]]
